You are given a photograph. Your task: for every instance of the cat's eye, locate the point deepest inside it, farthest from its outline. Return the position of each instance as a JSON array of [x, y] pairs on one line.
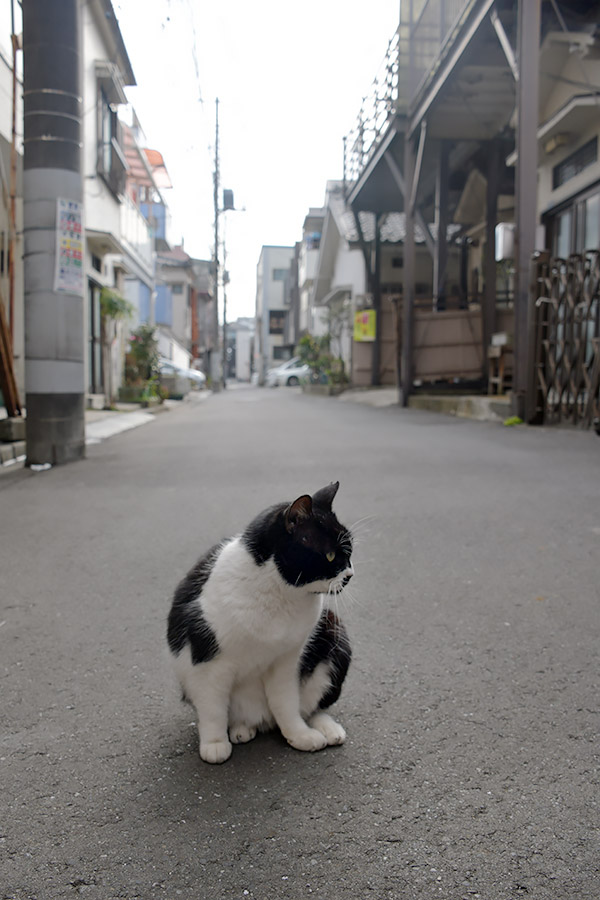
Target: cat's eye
[[330, 556]]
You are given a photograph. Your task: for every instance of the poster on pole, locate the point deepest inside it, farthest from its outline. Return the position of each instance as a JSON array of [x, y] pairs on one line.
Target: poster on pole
[[365, 325], [68, 273]]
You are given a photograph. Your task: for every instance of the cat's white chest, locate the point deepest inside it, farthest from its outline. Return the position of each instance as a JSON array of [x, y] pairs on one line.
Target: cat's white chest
[[251, 609]]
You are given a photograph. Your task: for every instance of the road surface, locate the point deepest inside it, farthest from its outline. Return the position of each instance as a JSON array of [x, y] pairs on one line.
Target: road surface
[[471, 765]]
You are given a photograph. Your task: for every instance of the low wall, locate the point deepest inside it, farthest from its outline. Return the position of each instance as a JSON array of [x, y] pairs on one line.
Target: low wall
[[446, 345]]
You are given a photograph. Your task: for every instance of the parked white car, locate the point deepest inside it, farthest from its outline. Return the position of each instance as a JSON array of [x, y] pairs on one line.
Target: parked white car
[[289, 373], [179, 381]]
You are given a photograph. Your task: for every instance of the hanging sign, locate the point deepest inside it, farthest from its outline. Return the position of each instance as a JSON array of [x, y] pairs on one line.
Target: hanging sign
[[364, 325], [68, 272]]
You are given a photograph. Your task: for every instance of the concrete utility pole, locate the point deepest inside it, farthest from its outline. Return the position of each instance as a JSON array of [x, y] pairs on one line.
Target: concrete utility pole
[[53, 238]]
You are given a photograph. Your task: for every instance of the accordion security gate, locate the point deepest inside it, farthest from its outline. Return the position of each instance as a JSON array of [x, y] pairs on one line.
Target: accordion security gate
[[566, 332]]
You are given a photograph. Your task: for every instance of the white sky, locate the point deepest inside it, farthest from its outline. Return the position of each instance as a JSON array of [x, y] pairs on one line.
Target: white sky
[[289, 77]]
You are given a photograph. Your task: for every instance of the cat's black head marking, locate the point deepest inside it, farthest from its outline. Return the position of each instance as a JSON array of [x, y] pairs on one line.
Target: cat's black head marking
[[305, 540]]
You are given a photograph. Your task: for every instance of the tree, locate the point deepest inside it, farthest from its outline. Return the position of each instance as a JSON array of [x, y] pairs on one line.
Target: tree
[[338, 319], [114, 309]]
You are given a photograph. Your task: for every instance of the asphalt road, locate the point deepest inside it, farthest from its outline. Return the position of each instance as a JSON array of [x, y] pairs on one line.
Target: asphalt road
[[471, 765]]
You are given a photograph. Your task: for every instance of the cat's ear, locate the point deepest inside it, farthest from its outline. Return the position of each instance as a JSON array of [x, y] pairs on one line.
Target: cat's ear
[[324, 497], [298, 510]]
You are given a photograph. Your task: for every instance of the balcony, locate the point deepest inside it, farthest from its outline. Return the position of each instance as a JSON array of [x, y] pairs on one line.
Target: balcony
[[428, 32], [136, 236]]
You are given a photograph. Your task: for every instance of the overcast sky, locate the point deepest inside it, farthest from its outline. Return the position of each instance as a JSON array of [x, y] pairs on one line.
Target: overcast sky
[[289, 78]]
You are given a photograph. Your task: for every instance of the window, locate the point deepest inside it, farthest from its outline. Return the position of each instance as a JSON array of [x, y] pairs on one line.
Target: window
[[562, 246], [575, 163], [177, 288], [111, 165], [276, 321], [280, 274], [588, 226], [576, 228]]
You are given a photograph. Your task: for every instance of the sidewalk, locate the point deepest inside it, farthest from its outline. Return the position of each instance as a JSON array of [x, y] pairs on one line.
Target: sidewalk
[[101, 424], [477, 406]]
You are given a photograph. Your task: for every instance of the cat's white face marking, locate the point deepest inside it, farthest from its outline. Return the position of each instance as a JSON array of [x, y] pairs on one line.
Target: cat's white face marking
[[333, 585]]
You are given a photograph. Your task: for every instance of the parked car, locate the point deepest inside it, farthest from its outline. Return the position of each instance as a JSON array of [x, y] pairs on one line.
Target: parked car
[[178, 380], [289, 373]]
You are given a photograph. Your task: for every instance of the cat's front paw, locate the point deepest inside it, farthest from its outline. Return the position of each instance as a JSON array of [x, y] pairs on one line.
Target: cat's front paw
[[215, 751], [309, 739]]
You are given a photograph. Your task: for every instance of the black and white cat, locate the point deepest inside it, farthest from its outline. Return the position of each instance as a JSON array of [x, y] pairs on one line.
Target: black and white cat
[[253, 641]]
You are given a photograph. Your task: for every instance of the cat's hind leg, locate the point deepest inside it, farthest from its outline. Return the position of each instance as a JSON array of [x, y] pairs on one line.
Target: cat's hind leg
[[313, 690], [248, 712], [323, 668], [331, 730]]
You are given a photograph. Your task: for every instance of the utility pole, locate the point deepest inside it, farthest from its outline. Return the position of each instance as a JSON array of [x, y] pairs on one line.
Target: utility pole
[[225, 283], [215, 373], [53, 239], [528, 40]]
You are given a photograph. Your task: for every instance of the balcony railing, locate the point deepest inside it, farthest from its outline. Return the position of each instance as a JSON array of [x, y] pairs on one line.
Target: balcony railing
[[377, 110], [136, 234], [426, 30], [430, 31]]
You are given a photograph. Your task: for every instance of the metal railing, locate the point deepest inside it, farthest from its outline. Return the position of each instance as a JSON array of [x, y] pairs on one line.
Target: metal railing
[[425, 31], [430, 31], [377, 110]]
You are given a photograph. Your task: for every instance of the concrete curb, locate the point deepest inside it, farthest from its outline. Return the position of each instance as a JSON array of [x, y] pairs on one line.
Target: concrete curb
[[479, 407], [12, 453], [107, 427]]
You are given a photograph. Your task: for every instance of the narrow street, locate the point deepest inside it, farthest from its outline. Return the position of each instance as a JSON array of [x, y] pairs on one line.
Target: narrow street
[[471, 707]]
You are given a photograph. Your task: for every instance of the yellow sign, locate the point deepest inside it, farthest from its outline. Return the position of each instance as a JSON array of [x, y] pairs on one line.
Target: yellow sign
[[364, 325]]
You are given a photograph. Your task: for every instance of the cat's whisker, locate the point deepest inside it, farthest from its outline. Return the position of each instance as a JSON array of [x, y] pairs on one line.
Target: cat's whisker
[[361, 524]]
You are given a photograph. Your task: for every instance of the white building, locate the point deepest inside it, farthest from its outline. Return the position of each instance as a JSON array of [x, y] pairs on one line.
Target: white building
[[307, 270], [6, 89], [273, 307], [118, 238]]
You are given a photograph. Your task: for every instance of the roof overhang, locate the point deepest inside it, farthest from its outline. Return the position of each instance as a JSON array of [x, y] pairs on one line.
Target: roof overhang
[[102, 242], [374, 190], [336, 293]]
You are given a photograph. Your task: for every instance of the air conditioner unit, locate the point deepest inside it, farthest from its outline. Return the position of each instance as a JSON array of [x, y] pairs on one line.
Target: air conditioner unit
[[505, 241]]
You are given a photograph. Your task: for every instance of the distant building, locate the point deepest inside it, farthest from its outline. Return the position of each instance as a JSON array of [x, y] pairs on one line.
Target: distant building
[[274, 342], [307, 269], [240, 341], [183, 304]]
